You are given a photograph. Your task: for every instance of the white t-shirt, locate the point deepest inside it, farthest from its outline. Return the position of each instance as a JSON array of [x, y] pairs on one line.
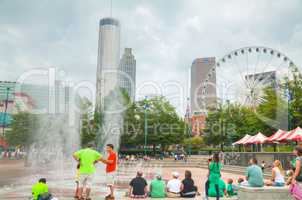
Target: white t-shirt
[[174, 185], [279, 177]]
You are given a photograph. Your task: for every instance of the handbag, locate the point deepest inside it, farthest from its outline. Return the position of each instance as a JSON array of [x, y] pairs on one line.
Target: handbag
[[295, 191]]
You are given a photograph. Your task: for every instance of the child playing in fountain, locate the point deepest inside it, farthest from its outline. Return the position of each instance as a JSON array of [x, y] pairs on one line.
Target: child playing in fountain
[[40, 190], [77, 180], [232, 189]]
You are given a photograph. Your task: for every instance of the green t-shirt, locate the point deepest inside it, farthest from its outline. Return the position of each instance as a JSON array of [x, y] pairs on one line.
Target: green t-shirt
[[231, 190], [221, 186], [214, 172], [255, 176], [157, 189], [87, 159], [39, 189]]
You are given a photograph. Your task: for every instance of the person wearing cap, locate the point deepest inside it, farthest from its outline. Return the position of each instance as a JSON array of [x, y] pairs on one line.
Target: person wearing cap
[[138, 186], [158, 187], [173, 186]]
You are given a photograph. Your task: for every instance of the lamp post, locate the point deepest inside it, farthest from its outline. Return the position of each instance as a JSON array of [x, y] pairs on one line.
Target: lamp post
[[5, 110], [146, 124], [289, 97]]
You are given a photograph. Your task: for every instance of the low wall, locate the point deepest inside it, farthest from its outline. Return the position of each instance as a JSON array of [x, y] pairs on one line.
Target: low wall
[[242, 158], [265, 193]]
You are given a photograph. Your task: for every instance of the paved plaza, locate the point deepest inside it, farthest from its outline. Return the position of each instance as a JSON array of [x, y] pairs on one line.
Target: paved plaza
[[16, 180]]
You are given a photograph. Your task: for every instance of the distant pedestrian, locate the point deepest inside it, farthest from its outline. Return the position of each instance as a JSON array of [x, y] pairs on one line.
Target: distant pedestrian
[[263, 165]]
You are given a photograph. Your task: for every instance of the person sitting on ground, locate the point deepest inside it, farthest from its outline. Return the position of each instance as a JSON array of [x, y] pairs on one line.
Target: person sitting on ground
[[277, 175], [173, 186], [138, 186], [254, 175], [40, 190], [232, 189], [221, 189], [158, 187], [240, 181], [188, 188]]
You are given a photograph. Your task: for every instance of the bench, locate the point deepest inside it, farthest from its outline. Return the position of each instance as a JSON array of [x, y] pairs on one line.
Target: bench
[[267, 193]]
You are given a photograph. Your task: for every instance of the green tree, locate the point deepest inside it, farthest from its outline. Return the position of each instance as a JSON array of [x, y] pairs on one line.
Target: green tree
[[165, 127], [295, 90], [88, 122], [196, 142], [22, 130]]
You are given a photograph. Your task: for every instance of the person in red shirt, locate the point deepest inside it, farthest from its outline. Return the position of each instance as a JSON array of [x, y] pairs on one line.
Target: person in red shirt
[[111, 164]]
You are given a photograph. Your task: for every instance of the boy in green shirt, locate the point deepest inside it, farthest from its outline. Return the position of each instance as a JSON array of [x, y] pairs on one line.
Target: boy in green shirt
[[39, 189], [157, 188], [87, 158]]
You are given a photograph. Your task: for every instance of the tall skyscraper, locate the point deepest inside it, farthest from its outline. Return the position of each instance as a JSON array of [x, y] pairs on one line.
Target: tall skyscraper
[[127, 76], [108, 59], [199, 72]]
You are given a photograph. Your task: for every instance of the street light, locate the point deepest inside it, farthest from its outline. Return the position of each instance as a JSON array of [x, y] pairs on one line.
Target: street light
[[5, 110], [146, 124]]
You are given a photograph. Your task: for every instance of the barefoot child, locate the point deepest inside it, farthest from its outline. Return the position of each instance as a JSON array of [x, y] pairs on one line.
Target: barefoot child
[[77, 179]]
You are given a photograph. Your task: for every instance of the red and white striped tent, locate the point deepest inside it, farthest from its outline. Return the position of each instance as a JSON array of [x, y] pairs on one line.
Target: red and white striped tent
[[242, 140], [276, 136], [257, 139], [293, 135]]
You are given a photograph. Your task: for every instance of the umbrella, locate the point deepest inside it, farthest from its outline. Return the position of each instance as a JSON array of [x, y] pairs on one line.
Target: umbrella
[[242, 140], [275, 136], [257, 139]]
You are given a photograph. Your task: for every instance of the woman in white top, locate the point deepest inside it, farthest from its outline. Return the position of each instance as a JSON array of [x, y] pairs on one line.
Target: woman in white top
[[277, 175]]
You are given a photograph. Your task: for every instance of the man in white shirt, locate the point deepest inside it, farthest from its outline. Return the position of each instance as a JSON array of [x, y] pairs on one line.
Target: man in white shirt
[[173, 186]]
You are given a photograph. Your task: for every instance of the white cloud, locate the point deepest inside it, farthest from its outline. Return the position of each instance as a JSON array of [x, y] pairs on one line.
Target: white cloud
[[165, 35]]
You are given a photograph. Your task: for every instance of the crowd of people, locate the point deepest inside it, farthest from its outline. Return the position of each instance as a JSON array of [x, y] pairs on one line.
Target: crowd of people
[[16, 154], [215, 186]]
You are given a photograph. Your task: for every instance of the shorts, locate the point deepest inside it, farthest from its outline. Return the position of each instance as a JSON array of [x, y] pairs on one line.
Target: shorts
[[277, 184], [110, 178], [86, 180]]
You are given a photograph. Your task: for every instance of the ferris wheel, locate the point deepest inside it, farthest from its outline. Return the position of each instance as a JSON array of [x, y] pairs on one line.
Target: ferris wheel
[[241, 75]]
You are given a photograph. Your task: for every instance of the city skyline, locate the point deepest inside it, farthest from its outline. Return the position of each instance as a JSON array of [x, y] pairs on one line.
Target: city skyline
[[165, 42], [108, 60], [127, 75]]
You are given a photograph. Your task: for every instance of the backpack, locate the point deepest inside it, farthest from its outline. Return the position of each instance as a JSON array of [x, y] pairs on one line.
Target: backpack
[[295, 191]]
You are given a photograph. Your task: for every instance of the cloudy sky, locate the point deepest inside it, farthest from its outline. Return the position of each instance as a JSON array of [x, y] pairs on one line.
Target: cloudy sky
[[166, 36]]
